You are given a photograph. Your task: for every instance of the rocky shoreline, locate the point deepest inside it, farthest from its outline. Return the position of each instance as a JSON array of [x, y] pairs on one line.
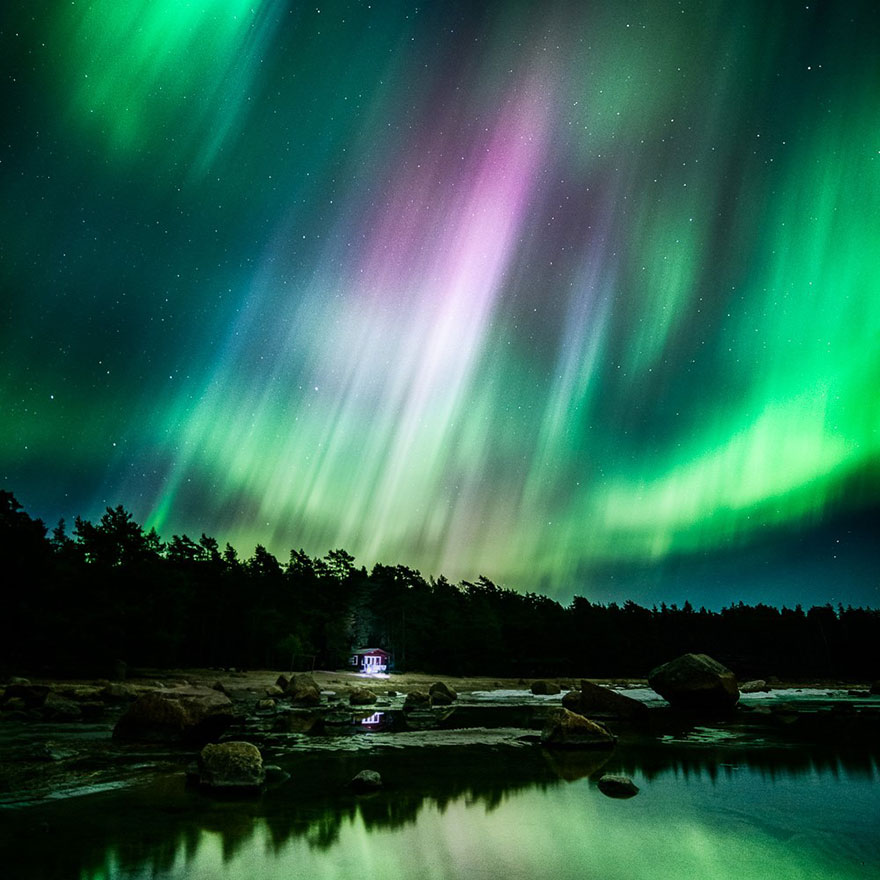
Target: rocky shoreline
[[60, 739]]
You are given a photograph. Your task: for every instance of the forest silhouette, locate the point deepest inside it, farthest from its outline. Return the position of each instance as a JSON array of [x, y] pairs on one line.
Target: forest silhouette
[[75, 604]]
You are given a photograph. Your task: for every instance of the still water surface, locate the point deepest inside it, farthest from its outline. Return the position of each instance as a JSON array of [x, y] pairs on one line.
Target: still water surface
[[704, 811]]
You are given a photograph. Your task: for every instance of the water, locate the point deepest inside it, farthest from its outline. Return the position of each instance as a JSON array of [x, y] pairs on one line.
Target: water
[[709, 807]]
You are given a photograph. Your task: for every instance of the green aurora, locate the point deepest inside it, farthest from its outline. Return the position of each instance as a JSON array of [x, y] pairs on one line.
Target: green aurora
[[582, 296]]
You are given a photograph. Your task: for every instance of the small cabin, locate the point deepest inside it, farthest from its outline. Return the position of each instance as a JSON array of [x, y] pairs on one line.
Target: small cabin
[[370, 659]]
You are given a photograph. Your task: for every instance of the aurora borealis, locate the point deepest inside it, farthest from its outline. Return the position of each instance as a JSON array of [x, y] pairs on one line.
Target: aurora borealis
[[582, 296]]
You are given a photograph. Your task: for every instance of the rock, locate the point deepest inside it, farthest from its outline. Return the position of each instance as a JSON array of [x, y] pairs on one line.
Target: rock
[[565, 729], [274, 774], [391, 693], [542, 688], [696, 682], [592, 699], [618, 786], [875, 687], [117, 692], [265, 705], [219, 686], [441, 694], [57, 708], [366, 780], [274, 691], [757, 686], [183, 714], [282, 682], [17, 679], [361, 697], [303, 690], [32, 696], [236, 765], [417, 700]]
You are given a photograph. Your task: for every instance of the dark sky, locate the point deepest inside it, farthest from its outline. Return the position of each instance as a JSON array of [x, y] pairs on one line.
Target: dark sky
[[581, 296]]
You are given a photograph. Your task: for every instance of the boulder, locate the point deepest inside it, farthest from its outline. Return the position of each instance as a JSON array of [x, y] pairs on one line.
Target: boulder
[[361, 697], [757, 686], [56, 708], [303, 690], [441, 694], [565, 729], [366, 780], [115, 692], [617, 786], [182, 714], [695, 682], [283, 682], [265, 705], [417, 700], [32, 696], [274, 691], [542, 688], [235, 765], [592, 699]]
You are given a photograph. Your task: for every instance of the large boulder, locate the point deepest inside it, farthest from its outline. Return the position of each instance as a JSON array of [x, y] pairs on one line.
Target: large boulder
[[441, 694], [592, 699], [236, 765], [565, 729], [303, 690], [417, 700], [361, 697], [32, 696], [181, 714], [695, 681], [542, 688]]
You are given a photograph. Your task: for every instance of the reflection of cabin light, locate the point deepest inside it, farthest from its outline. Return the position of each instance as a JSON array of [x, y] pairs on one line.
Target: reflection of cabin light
[[375, 718]]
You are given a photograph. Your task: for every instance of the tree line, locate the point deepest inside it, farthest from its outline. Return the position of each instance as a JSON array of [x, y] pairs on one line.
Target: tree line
[[77, 602]]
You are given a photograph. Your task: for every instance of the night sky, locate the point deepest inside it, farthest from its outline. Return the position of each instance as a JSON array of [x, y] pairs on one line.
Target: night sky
[[581, 296]]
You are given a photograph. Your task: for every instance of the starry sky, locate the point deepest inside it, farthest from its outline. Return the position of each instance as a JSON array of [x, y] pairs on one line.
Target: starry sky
[[581, 296]]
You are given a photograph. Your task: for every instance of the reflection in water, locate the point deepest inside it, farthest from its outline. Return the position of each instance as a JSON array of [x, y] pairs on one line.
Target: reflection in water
[[704, 811]]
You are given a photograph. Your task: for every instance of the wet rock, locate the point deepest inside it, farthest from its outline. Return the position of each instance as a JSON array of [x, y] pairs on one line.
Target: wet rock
[[618, 786], [56, 708], [417, 700], [303, 690], [441, 694], [274, 774], [231, 765], [565, 729], [282, 682], [361, 697], [366, 780], [542, 688], [274, 691], [116, 692], [758, 686], [183, 714], [695, 682], [592, 699], [265, 705], [31, 696]]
